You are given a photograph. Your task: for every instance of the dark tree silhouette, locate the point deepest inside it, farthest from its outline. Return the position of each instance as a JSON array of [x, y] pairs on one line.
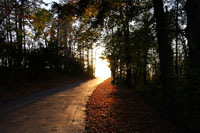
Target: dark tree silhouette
[[193, 35], [165, 55]]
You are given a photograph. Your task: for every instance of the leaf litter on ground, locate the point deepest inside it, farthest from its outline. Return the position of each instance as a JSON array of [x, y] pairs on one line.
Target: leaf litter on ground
[[107, 111]]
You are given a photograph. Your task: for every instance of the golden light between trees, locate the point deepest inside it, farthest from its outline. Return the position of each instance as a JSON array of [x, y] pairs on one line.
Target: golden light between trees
[[102, 69]]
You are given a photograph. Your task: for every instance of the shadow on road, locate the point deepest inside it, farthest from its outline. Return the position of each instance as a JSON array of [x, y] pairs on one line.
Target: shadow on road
[[22, 102]]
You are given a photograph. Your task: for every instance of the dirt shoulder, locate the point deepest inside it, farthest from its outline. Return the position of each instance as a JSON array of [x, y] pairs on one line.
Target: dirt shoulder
[[107, 111]]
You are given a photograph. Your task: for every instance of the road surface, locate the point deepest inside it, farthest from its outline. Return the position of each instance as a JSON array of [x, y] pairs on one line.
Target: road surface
[[57, 110]]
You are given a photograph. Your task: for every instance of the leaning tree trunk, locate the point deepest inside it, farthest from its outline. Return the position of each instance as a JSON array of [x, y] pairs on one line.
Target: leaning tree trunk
[[166, 58], [193, 35]]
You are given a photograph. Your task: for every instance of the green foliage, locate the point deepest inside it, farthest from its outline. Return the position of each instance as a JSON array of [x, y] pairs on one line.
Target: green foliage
[[41, 20]]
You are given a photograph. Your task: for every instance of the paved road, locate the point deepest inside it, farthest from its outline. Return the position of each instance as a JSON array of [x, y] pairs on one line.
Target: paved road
[[58, 110]]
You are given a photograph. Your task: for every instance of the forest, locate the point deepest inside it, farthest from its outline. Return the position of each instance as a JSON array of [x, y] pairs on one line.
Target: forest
[[152, 46]]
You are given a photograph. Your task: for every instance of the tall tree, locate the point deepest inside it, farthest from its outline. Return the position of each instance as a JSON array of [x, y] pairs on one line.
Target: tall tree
[[166, 58], [193, 35]]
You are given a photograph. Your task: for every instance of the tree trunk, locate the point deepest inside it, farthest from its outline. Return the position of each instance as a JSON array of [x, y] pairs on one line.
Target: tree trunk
[[145, 68], [20, 43], [120, 71], [24, 42], [114, 70], [92, 65], [88, 60], [83, 57], [176, 60], [193, 35], [127, 48], [19, 13], [128, 57], [166, 58], [16, 28]]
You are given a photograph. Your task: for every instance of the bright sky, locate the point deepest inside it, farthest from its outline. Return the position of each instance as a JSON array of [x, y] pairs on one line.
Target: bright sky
[[49, 3], [102, 69], [102, 66]]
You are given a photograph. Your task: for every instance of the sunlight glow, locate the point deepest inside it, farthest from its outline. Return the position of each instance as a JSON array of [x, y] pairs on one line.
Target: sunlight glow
[[102, 69]]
